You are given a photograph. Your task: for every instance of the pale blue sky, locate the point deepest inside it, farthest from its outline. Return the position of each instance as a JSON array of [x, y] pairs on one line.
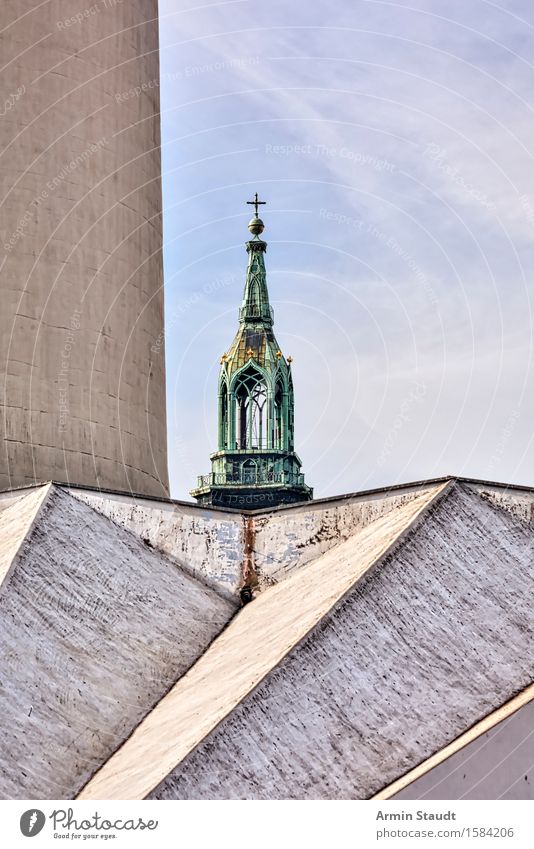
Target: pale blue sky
[[394, 144]]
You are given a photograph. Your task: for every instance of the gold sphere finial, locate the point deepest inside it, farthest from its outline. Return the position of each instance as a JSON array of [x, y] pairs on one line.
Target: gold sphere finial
[[256, 225]]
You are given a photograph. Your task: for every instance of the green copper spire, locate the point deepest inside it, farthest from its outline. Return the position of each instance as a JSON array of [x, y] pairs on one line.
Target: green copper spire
[[255, 464], [255, 306]]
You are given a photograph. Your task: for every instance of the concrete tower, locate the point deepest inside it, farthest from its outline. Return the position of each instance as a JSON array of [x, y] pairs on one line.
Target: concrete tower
[[255, 464], [82, 372]]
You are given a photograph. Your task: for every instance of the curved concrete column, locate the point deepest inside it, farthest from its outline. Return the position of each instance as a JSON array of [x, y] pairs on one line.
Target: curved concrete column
[[82, 375]]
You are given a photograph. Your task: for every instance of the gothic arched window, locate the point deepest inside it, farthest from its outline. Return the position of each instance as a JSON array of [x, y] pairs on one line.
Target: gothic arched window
[[223, 416], [249, 471], [290, 417], [251, 409], [278, 415]]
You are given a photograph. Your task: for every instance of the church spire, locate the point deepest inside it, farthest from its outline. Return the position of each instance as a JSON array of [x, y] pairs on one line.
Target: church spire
[[255, 306], [255, 464]]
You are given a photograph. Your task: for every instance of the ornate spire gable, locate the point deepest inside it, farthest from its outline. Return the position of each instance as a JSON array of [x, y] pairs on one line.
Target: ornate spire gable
[[255, 464]]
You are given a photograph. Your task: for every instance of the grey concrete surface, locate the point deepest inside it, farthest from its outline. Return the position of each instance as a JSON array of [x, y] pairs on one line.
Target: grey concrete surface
[[429, 641], [96, 626], [82, 380], [497, 765]]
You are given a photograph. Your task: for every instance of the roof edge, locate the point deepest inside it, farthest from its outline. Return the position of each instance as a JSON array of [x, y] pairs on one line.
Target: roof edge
[[393, 488], [42, 493], [262, 511], [473, 733]]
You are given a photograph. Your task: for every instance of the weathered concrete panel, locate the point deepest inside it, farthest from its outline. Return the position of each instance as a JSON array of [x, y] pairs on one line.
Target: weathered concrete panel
[[428, 642], [290, 538], [519, 502], [94, 628], [17, 514], [206, 543], [497, 765], [212, 544], [81, 324], [254, 643], [7, 499]]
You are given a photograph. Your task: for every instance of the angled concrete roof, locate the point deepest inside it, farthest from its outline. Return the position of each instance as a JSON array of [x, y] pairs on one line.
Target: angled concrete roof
[[18, 511], [95, 627], [344, 677], [494, 759], [219, 547], [208, 544], [250, 648], [390, 632]]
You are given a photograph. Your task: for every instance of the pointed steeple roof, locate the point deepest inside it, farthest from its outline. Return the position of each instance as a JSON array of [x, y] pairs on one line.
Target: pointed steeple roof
[[255, 306], [255, 338]]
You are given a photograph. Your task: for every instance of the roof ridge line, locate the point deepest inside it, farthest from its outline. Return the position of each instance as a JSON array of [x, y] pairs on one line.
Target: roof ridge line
[[445, 487], [443, 492], [188, 687], [41, 501]]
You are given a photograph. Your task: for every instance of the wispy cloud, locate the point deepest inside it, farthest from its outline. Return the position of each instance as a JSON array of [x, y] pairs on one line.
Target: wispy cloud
[[411, 125]]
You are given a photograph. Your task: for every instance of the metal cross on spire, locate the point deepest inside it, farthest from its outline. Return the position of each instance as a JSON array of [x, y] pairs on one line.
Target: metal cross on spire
[[255, 203]]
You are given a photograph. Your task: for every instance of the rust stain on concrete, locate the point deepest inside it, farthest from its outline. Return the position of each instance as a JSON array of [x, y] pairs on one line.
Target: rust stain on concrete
[[250, 577]]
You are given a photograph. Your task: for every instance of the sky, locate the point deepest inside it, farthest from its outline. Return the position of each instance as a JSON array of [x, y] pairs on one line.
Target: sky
[[393, 144]]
